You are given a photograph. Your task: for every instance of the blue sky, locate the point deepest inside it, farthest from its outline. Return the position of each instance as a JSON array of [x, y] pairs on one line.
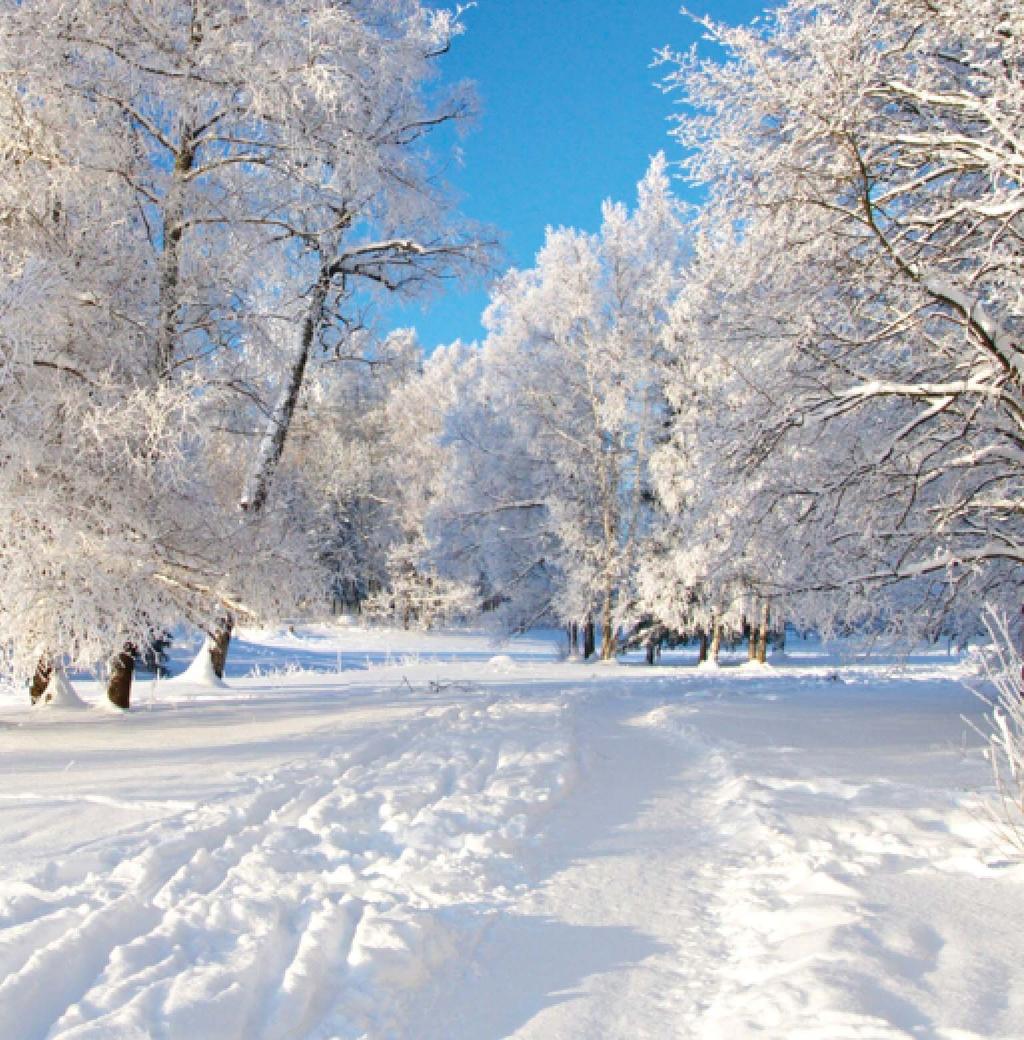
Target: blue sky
[[570, 115]]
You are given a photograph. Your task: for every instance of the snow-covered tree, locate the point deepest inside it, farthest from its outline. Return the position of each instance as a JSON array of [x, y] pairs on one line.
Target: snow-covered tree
[[867, 207], [558, 427], [342, 447], [415, 473], [228, 175], [488, 524], [364, 449]]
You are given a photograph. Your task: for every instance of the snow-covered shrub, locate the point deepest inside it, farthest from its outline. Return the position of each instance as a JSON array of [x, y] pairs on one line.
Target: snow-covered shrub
[[1001, 665]]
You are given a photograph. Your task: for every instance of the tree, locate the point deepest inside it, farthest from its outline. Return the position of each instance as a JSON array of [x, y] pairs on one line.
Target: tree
[[558, 430], [258, 166], [488, 524], [365, 444], [88, 555], [864, 166]]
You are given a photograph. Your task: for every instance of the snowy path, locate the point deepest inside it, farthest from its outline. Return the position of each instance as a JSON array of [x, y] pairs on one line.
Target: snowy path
[[309, 897], [469, 849], [704, 879], [614, 936]]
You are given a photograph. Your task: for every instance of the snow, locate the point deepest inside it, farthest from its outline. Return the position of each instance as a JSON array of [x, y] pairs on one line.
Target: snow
[[59, 693], [379, 834], [200, 672]]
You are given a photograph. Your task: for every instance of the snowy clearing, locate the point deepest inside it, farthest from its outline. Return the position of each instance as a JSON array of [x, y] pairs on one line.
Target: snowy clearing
[[428, 837]]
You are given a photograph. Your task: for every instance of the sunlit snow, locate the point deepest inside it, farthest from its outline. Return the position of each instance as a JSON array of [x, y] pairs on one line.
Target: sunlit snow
[[378, 834]]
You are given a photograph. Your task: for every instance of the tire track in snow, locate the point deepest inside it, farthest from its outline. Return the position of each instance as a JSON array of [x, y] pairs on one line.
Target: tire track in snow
[[129, 906], [300, 901]]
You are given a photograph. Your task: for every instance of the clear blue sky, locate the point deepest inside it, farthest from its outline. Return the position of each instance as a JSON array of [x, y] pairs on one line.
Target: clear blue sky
[[570, 115]]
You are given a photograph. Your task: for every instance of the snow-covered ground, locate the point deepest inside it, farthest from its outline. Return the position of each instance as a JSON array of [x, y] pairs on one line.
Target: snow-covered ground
[[427, 837]]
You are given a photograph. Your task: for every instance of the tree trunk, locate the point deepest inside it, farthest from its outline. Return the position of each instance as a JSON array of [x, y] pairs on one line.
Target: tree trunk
[[119, 685], [574, 639], [257, 486], [651, 650], [716, 640], [170, 259], [589, 640], [220, 642], [751, 633], [275, 433], [41, 678], [174, 223], [762, 638], [608, 642], [702, 648]]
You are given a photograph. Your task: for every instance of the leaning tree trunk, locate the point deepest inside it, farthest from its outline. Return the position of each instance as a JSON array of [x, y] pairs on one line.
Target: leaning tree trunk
[[257, 486], [271, 448], [119, 685], [41, 678]]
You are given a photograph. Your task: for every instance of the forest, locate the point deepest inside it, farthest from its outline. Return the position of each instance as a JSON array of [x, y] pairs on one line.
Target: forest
[[800, 401]]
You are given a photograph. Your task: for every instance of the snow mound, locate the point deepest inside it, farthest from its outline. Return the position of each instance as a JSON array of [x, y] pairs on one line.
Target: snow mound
[[59, 693], [200, 672], [501, 663]]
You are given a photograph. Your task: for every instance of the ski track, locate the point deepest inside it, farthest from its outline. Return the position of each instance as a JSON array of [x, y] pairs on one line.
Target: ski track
[[305, 906]]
